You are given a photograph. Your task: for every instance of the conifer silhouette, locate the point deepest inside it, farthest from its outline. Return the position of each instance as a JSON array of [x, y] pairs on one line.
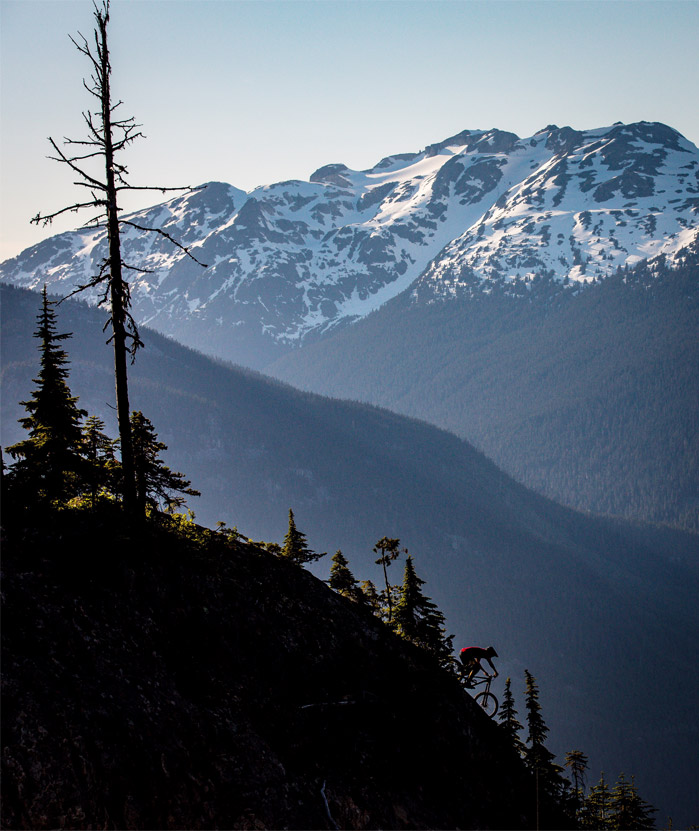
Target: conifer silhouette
[[628, 810], [102, 468], [539, 759], [508, 719], [295, 547], [155, 482], [372, 597], [343, 581], [417, 618], [48, 464], [576, 760], [598, 806]]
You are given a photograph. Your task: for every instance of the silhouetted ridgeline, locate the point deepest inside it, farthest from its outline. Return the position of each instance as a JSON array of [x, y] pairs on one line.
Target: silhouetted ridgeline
[[178, 680]]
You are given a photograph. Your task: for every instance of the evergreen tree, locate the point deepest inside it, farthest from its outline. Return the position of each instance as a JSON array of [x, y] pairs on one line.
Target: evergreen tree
[[155, 482], [535, 722], [389, 552], [418, 619], [48, 464], [508, 719], [576, 760], [343, 581], [642, 811], [627, 809], [597, 808], [295, 547], [98, 450], [538, 757], [372, 597]]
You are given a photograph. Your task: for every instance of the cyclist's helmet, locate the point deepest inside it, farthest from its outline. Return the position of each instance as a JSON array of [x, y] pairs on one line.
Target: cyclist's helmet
[[491, 651]]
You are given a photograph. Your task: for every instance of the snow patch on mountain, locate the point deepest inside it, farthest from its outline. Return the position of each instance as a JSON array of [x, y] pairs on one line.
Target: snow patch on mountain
[[482, 208]]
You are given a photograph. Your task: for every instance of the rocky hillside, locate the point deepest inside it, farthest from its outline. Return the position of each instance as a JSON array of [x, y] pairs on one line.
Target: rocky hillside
[[171, 679], [291, 261]]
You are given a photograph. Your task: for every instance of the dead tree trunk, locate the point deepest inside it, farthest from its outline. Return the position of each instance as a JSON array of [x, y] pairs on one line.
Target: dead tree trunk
[[106, 136], [116, 282]]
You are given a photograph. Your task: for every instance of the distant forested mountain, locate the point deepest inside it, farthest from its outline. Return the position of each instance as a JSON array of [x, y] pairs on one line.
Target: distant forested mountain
[[591, 397], [587, 604]]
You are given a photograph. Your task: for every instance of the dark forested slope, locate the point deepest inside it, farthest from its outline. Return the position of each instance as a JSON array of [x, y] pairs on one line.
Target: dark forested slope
[[589, 397], [155, 681], [587, 604]]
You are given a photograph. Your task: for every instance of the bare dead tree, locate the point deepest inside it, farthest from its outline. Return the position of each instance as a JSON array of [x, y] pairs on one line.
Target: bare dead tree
[[107, 135]]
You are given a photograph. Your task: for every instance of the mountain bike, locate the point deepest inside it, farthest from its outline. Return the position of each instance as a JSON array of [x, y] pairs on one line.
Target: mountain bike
[[485, 698]]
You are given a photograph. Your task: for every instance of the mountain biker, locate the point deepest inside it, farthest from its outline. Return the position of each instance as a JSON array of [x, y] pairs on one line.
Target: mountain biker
[[471, 657]]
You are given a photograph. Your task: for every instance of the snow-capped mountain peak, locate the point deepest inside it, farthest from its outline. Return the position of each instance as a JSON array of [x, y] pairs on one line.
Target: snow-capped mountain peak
[[290, 260]]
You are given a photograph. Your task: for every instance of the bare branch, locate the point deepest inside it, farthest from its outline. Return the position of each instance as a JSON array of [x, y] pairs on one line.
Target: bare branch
[[87, 155], [47, 219], [70, 160], [94, 281], [137, 268], [98, 136], [126, 122], [133, 335], [89, 185], [83, 47], [167, 236], [93, 90], [158, 188], [74, 167], [96, 221], [126, 140], [84, 142]]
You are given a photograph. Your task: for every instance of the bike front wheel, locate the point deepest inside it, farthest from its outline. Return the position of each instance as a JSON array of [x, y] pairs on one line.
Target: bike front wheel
[[488, 702]]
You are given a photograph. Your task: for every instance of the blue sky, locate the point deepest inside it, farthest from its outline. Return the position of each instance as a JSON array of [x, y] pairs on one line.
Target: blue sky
[[257, 91]]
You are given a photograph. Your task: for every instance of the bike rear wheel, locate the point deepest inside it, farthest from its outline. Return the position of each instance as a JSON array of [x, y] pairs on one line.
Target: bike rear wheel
[[488, 702]]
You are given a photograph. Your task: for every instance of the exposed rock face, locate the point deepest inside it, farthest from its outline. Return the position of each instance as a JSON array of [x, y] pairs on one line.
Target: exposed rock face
[[155, 683], [290, 261]]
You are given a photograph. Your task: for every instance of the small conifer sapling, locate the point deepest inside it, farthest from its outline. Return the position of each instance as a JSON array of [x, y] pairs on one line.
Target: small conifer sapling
[[155, 482], [372, 597], [102, 467], [343, 581], [295, 547]]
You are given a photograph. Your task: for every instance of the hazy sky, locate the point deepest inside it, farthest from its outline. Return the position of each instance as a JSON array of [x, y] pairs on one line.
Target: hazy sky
[[256, 91]]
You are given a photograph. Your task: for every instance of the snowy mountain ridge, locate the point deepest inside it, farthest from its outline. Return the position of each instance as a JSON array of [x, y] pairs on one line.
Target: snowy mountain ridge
[[289, 261]]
